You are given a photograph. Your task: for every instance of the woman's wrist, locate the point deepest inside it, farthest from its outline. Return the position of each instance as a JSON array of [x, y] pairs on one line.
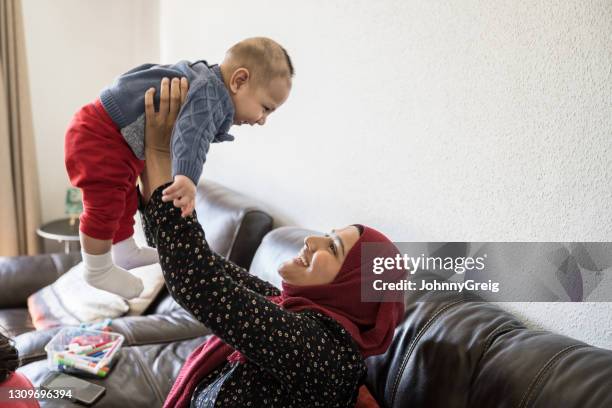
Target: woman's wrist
[[157, 172], [158, 131]]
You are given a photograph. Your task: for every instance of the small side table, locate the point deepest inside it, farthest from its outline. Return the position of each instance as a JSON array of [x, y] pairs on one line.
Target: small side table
[[61, 231]]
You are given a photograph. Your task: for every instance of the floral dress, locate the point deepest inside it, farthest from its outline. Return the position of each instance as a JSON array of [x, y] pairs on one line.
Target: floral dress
[[294, 359]]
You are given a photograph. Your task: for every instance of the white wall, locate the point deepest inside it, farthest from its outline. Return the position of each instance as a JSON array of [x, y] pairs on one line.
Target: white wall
[[470, 120], [74, 49]]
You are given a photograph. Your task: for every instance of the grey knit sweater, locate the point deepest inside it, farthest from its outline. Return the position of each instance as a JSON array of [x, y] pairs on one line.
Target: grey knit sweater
[[205, 118]]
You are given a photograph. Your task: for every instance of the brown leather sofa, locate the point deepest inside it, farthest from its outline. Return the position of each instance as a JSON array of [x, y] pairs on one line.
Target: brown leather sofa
[[449, 351], [456, 351], [235, 225]]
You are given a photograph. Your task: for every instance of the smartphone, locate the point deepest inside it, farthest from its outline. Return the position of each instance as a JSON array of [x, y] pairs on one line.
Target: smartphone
[[82, 391]]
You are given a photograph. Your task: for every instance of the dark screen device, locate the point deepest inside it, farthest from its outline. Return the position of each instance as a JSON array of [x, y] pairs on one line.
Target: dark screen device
[[82, 391]]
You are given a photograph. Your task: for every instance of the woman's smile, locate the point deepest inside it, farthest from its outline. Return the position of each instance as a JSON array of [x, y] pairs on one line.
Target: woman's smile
[[319, 260]]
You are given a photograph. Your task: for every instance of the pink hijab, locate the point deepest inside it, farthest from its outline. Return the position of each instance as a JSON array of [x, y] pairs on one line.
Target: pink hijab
[[371, 324]]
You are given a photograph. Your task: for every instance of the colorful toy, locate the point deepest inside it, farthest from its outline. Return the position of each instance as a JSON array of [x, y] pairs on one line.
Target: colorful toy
[[83, 349]]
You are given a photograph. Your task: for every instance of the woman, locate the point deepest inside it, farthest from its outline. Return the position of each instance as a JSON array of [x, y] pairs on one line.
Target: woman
[[302, 346]]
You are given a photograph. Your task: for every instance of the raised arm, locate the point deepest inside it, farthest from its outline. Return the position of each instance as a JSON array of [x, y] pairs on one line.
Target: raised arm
[[157, 171], [307, 353], [310, 354]]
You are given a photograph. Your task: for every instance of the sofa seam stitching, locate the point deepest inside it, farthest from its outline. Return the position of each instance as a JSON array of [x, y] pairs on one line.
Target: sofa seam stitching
[[127, 331], [494, 335], [504, 328], [541, 374], [146, 371], [413, 345]]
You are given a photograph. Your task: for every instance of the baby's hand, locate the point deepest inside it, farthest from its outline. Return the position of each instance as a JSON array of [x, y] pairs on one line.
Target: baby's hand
[[182, 194]]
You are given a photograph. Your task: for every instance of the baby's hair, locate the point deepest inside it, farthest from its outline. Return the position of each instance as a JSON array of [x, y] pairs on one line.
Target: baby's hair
[[9, 358], [264, 58]]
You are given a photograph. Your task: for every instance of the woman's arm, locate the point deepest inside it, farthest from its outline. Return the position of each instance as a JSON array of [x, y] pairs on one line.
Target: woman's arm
[[296, 348], [158, 130], [158, 133]]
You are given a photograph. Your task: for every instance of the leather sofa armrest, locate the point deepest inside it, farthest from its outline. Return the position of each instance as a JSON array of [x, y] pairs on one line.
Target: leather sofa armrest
[[176, 325], [20, 276], [31, 345]]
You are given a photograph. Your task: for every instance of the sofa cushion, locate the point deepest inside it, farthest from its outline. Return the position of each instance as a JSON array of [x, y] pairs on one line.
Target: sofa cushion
[[15, 321], [20, 276], [436, 351], [234, 223], [278, 246], [529, 368], [71, 301], [175, 325], [141, 377]]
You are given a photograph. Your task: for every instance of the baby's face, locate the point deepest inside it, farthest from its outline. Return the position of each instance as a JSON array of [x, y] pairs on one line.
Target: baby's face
[[254, 103]]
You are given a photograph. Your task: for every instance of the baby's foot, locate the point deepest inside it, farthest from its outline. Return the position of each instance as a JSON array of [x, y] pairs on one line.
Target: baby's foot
[[128, 255], [101, 273]]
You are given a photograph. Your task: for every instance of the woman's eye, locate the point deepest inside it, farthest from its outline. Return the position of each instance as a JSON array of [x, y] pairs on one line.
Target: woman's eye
[[333, 248]]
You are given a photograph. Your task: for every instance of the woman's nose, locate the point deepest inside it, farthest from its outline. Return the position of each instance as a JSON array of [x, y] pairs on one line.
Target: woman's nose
[[312, 243]]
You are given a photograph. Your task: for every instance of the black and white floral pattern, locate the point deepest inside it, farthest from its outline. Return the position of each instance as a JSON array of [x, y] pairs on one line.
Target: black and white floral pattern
[[303, 359]]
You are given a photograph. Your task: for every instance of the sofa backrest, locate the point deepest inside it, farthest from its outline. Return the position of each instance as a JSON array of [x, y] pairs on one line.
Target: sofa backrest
[[278, 245], [452, 350], [534, 368], [234, 223]]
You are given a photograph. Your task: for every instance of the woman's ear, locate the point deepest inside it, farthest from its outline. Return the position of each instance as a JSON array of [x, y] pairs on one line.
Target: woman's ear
[[239, 78]]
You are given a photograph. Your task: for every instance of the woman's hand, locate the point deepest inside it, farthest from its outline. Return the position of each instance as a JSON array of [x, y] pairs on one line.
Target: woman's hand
[[158, 125], [158, 132]]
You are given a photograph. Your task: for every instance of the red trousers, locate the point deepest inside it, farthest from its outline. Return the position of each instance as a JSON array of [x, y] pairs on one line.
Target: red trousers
[[100, 162]]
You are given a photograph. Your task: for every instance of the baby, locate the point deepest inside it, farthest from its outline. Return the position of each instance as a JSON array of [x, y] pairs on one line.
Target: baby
[[104, 147]]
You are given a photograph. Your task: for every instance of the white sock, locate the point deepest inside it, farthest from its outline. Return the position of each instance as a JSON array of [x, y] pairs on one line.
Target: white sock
[[128, 255], [101, 273]]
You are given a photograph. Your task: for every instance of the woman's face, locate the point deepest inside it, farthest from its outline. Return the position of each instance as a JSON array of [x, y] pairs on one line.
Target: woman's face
[[320, 259]]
